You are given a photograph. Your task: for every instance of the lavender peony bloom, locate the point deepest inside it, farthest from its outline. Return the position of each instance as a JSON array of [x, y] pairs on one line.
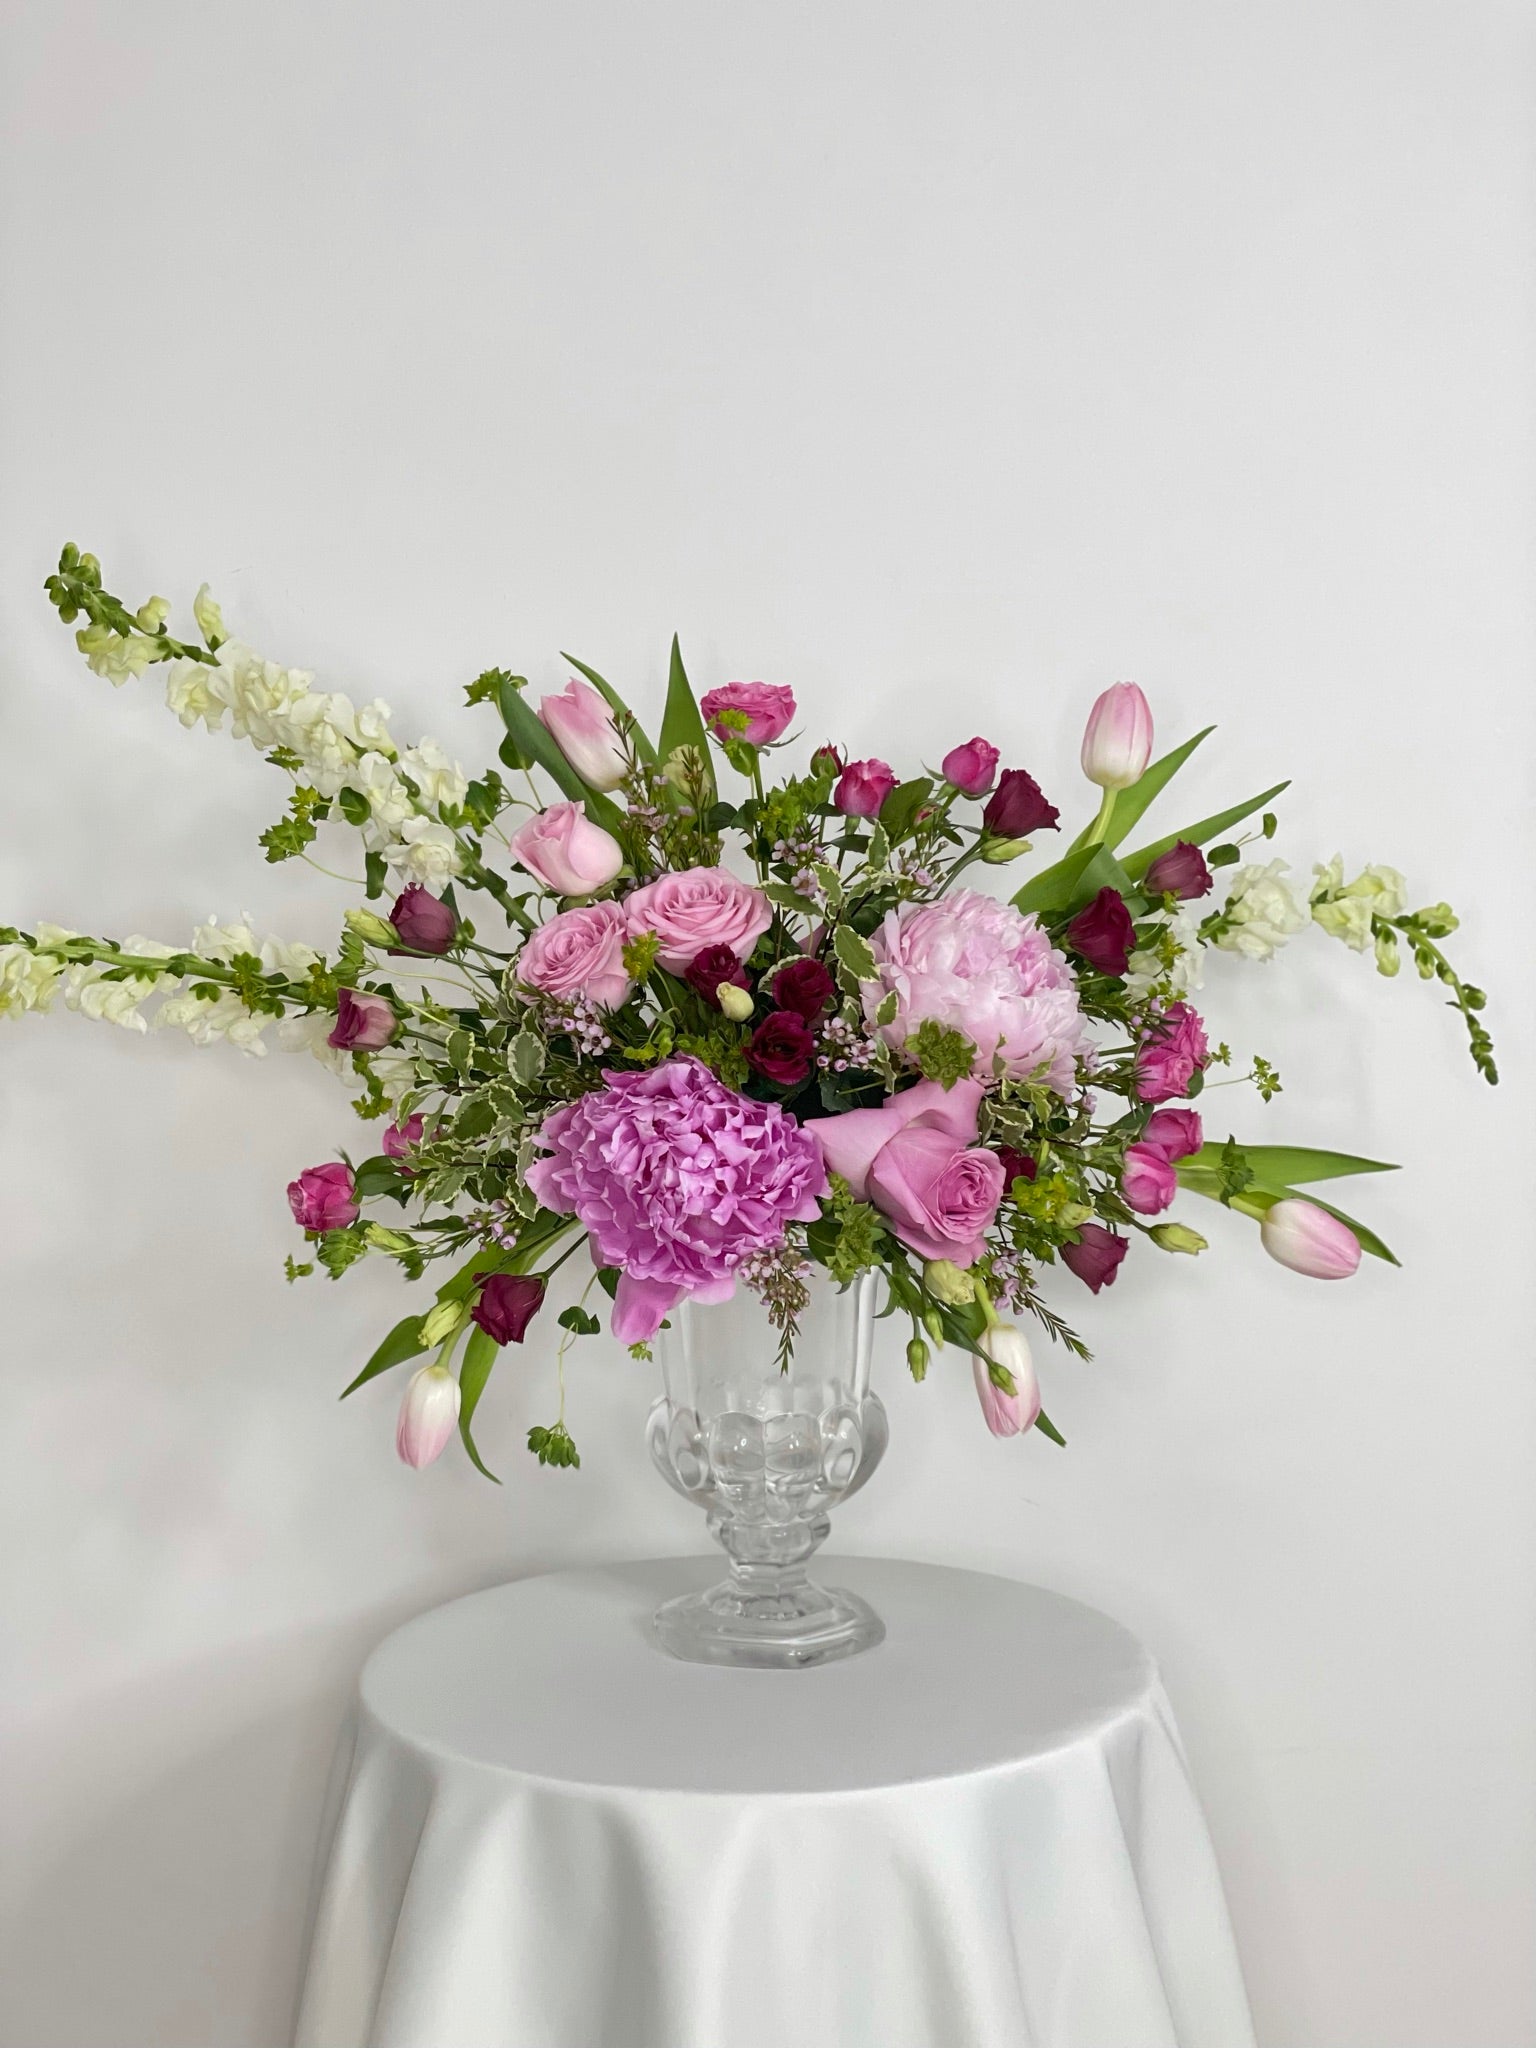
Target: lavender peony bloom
[[984, 969], [678, 1179]]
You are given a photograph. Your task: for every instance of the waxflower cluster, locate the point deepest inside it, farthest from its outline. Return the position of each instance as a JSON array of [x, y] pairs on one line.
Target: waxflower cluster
[[722, 1021]]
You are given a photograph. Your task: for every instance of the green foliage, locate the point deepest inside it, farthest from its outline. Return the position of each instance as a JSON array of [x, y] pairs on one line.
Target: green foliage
[[338, 1249], [681, 722], [579, 1321], [489, 684], [941, 1053], [854, 954], [1266, 1078], [639, 955], [403, 1342], [292, 1270], [1136, 864], [900, 809], [553, 1446], [850, 1236], [1233, 1173], [293, 832], [480, 1355]]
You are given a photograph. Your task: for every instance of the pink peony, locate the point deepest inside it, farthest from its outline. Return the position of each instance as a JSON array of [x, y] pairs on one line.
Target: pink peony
[[363, 1022], [862, 788], [678, 1179], [915, 1158], [1171, 1054], [564, 850], [1174, 1132], [324, 1197], [986, 970], [1149, 1182], [972, 768], [580, 952], [581, 725], [696, 908], [760, 712]]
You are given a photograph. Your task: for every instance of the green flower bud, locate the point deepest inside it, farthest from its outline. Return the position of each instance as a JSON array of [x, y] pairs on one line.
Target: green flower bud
[[917, 1358], [933, 1323], [375, 930], [441, 1321], [999, 851], [736, 1003], [949, 1283], [1177, 1237]]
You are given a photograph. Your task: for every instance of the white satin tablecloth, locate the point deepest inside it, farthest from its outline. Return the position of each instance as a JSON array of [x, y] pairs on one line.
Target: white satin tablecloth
[[547, 1833]]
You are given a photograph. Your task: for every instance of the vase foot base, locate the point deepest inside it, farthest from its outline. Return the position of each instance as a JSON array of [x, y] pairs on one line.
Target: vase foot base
[[781, 1629]]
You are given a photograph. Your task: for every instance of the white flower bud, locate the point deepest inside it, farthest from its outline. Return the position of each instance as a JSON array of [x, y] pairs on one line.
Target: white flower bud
[[734, 1001]]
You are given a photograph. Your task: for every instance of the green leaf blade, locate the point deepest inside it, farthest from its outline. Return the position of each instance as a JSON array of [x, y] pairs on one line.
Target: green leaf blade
[[403, 1342], [1136, 864], [479, 1357], [533, 739], [682, 723]]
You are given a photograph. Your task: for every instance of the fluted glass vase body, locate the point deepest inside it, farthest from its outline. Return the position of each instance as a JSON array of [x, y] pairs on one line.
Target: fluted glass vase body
[[768, 1449]]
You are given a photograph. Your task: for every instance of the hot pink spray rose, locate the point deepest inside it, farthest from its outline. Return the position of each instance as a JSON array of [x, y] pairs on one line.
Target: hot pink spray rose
[[579, 953], [762, 712], [1174, 1132], [400, 1137], [324, 1197], [1149, 1182], [677, 1178], [913, 1158], [695, 908], [972, 769], [1172, 1053], [862, 788], [564, 850], [582, 727], [984, 969], [363, 1022]]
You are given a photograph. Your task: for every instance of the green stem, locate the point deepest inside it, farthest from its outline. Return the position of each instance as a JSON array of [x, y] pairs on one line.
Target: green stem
[[1100, 825]]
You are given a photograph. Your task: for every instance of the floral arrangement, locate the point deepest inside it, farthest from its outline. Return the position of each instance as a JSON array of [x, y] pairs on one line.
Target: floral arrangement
[[726, 1029]]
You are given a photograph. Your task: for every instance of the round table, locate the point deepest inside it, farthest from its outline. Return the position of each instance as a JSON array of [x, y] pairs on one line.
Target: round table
[[547, 1833]]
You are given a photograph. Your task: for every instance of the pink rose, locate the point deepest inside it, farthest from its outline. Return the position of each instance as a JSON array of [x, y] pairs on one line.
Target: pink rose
[[582, 727], [695, 908], [579, 953], [862, 788], [324, 1197], [363, 1022], [756, 713], [1174, 1132], [912, 1158], [972, 769], [1171, 1054], [1149, 1182], [563, 849], [400, 1137]]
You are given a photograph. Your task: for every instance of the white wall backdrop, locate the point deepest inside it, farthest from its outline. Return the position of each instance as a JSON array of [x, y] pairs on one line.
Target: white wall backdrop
[[948, 362]]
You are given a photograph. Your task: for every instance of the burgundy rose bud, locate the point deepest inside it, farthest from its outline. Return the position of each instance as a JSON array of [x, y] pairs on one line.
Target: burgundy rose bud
[[424, 921], [971, 769], [781, 1048], [1103, 933], [1181, 871], [805, 987], [1018, 806], [1096, 1256], [827, 760], [1016, 1165], [363, 1022], [705, 972], [324, 1197], [863, 787], [508, 1304]]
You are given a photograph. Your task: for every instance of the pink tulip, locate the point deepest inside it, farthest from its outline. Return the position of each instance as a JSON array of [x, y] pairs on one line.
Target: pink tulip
[[582, 727], [324, 1197], [972, 768], [363, 1022], [1007, 1414], [427, 1415], [1308, 1240], [564, 850], [862, 788], [1118, 742]]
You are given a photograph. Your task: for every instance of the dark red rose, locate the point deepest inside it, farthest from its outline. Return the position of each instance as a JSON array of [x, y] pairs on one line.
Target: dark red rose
[[805, 987], [424, 921], [782, 1047], [1018, 806], [1103, 933], [1181, 871], [1096, 1256], [508, 1304], [705, 972], [1016, 1165]]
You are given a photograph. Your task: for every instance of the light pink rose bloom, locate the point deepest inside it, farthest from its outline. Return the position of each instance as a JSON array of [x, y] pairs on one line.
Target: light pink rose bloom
[[363, 1022], [916, 1159], [1007, 1414], [564, 850], [695, 908], [581, 724], [1118, 742], [766, 707], [1149, 1182], [984, 969], [1308, 1240], [972, 768], [428, 1415], [579, 953]]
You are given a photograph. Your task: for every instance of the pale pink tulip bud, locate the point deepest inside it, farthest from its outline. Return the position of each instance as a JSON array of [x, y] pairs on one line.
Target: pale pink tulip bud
[[582, 727], [1118, 742], [1007, 1414], [1308, 1240], [428, 1415]]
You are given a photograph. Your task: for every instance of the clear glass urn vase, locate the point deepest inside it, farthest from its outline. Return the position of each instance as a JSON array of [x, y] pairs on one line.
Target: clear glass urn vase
[[767, 1452]]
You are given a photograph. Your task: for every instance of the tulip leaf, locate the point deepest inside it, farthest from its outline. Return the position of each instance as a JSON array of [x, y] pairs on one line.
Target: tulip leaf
[[479, 1356], [1291, 1165], [1072, 881], [1048, 1428], [1136, 864], [532, 738], [637, 732], [403, 1342], [1130, 803], [1258, 1199], [681, 723]]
